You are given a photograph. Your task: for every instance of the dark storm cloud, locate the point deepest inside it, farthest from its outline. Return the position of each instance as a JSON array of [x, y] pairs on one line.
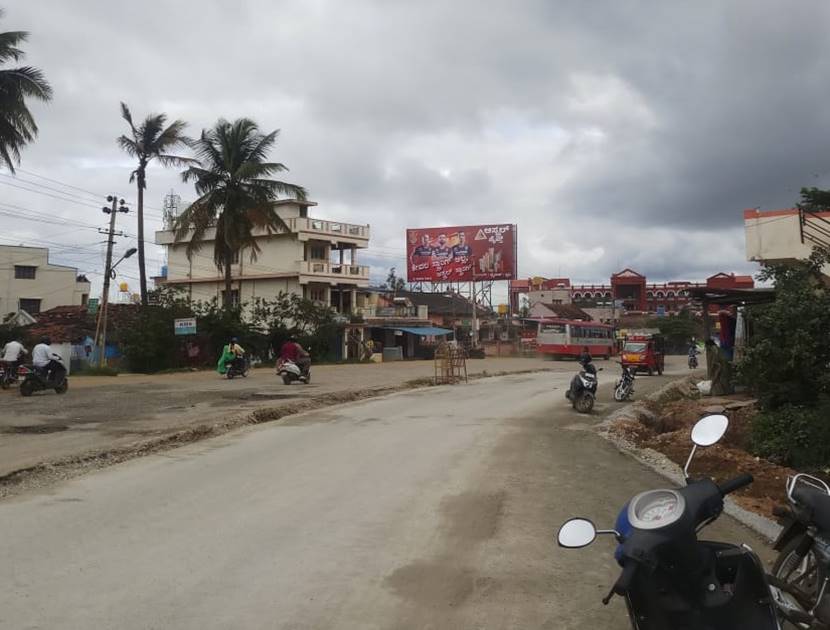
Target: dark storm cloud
[[615, 134]]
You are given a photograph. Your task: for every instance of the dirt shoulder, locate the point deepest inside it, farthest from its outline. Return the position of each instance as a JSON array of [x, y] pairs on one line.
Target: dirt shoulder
[[103, 420], [663, 424]]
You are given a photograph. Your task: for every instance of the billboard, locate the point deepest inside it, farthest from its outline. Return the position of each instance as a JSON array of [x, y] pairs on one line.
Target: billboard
[[461, 254]]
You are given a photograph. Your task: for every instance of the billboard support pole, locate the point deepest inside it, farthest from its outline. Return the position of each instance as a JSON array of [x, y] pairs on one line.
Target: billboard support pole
[[474, 333]]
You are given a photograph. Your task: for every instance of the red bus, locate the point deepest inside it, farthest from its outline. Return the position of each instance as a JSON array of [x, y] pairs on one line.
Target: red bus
[[566, 338]]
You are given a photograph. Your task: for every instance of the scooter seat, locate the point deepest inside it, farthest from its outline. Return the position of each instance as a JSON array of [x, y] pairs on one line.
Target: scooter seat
[[818, 502]]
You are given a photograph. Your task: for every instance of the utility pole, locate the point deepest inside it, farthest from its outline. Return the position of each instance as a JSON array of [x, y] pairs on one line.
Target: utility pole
[[101, 326]]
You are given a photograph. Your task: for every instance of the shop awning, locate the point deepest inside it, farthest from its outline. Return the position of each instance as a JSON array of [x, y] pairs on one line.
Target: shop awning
[[426, 331]]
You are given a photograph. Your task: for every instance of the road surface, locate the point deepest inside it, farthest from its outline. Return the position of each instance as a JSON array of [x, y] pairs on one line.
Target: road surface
[[430, 509], [99, 414]]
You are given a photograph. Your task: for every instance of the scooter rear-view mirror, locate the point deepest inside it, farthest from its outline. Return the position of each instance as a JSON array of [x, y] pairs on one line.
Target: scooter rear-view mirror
[[707, 431], [576, 533]]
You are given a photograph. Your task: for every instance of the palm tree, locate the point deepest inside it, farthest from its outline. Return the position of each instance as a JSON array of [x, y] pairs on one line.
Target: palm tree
[[150, 140], [17, 125], [236, 194]]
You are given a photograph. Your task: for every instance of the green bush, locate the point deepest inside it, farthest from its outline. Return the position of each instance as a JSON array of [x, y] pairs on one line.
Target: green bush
[[793, 435]]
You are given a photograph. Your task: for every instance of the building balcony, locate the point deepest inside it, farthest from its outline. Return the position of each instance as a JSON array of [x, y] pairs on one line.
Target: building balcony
[[305, 228], [321, 271], [395, 312], [308, 228]]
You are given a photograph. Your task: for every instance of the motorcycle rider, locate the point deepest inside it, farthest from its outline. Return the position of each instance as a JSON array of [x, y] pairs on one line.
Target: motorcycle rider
[[292, 351], [693, 352], [586, 361], [238, 354], [44, 360], [13, 353]]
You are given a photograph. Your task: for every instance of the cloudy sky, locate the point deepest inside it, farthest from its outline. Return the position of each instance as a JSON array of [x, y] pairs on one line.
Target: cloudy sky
[[615, 134]]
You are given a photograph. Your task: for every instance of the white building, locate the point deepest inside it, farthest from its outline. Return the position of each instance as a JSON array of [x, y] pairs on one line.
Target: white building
[[780, 236], [29, 282], [316, 259]]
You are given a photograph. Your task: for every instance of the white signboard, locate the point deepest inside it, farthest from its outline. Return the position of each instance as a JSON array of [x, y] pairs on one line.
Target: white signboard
[[185, 326]]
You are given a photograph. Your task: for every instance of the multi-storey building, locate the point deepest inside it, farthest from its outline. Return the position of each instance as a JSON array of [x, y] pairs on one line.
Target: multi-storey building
[[29, 282], [314, 258], [629, 289]]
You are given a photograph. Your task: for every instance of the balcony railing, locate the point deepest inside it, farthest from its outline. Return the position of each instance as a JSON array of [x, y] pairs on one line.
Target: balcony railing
[[323, 268], [329, 228]]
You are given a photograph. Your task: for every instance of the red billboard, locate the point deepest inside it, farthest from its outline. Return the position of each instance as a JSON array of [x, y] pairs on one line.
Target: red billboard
[[461, 254]]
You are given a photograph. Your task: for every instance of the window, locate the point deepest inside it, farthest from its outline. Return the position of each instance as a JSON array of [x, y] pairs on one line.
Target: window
[[634, 347], [84, 299], [24, 272], [234, 297], [30, 305], [318, 294], [317, 252]]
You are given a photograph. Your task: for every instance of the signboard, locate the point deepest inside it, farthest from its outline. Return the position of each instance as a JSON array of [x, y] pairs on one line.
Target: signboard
[[661, 311], [185, 326], [92, 306], [461, 254]]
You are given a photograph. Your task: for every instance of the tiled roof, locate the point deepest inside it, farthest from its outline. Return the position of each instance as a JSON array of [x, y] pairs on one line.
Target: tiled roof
[[66, 324], [442, 303], [567, 311]]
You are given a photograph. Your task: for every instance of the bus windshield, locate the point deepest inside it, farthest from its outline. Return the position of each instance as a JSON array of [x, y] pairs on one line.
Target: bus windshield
[[634, 347]]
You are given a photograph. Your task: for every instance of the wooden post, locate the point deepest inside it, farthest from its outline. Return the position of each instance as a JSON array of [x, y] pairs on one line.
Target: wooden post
[[707, 334]]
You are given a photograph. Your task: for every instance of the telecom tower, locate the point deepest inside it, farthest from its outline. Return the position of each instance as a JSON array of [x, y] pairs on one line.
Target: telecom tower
[[172, 201], [171, 205]]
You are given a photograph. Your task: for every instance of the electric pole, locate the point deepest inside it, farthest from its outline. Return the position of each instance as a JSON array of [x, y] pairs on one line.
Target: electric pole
[[101, 326]]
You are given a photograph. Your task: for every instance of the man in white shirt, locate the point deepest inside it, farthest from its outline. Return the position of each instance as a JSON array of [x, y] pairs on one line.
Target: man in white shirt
[[44, 359], [13, 353]]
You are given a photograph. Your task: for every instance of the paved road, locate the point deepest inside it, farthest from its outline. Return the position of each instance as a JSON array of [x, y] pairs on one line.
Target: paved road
[[430, 509], [101, 413]]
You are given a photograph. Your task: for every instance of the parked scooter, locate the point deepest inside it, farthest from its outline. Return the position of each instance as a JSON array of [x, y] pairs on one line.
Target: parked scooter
[[290, 372], [35, 380], [692, 361], [583, 390], [625, 386], [801, 574], [669, 579]]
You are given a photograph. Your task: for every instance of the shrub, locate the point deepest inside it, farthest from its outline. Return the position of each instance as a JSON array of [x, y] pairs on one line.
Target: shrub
[[794, 435]]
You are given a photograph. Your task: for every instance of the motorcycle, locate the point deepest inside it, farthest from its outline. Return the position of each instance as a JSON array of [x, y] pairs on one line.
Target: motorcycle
[[801, 573], [8, 374], [238, 367], [693, 362], [670, 579], [35, 380], [290, 372], [583, 390], [625, 386]]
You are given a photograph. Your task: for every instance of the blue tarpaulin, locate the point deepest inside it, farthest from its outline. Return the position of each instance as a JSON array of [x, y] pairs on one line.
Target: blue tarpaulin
[[426, 331]]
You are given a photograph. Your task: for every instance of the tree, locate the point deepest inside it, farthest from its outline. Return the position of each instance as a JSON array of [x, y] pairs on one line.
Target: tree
[[17, 125], [151, 140], [236, 196], [393, 282], [788, 353]]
